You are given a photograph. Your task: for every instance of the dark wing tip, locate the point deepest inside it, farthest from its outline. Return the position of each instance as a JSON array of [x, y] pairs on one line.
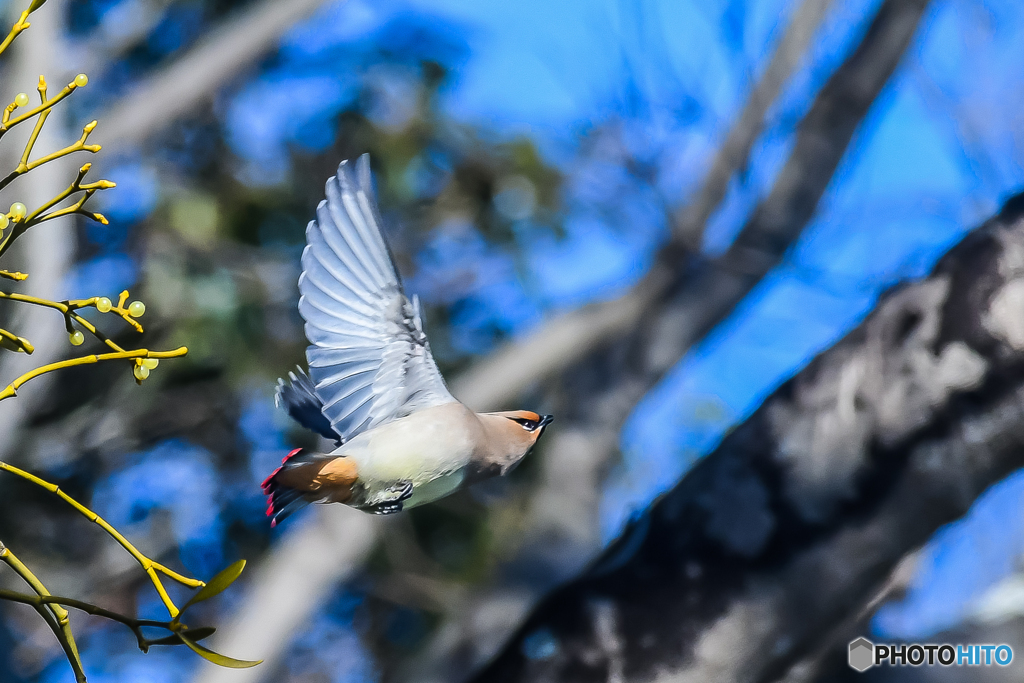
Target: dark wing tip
[[298, 398]]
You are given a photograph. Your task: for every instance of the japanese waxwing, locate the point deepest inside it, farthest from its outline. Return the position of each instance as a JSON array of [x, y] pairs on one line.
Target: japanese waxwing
[[373, 386]]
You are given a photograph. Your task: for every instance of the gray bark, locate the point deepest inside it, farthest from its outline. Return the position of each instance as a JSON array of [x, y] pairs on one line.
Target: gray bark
[[743, 571]]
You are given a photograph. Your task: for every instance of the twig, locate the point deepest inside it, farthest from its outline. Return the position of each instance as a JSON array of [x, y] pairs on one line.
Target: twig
[[12, 388], [68, 308], [151, 567], [13, 342], [75, 186], [22, 224], [16, 30], [61, 624], [136, 625], [43, 109]]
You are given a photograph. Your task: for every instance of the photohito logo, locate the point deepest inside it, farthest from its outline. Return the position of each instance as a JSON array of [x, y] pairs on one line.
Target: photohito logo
[[864, 654]]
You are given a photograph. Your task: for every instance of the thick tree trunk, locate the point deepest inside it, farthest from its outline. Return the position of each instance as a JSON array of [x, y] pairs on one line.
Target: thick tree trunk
[[748, 566]]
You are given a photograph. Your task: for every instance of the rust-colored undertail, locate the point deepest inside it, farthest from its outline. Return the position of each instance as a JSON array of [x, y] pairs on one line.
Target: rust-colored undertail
[[305, 478]]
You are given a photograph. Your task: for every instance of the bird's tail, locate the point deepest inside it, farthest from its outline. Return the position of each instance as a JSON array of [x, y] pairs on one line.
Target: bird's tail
[[283, 500], [305, 477]]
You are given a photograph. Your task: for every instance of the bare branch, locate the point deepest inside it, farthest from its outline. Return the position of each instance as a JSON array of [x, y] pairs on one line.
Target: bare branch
[[220, 56], [735, 150], [710, 290]]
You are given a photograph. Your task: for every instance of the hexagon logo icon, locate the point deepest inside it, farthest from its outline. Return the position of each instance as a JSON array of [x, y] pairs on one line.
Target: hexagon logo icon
[[862, 654]]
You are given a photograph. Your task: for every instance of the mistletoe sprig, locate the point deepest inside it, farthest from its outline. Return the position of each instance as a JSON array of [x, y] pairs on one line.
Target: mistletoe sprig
[[53, 609], [142, 361]]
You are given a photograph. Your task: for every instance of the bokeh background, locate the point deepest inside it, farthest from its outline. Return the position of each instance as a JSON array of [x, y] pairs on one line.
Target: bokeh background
[[532, 159]]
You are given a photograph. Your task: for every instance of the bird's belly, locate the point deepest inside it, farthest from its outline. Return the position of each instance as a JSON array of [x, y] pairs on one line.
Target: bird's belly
[[431, 455], [429, 491]]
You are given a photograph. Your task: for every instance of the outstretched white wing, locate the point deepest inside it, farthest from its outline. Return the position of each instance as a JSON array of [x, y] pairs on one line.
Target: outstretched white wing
[[369, 358]]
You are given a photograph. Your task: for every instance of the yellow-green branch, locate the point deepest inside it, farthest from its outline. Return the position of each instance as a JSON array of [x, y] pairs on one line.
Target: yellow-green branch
[[68, 308], [43, 108], [16, 30], [151, 567], [13, 342], [21, 223], [62, 627], [12, 388], [25, 165], [74, 187]]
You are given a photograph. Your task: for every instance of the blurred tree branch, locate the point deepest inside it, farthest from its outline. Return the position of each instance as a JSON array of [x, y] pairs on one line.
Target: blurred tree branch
[[734, 152], [698, 294], [221, 55], [99, 51], [800, 516], [561, 341], [686, 293]]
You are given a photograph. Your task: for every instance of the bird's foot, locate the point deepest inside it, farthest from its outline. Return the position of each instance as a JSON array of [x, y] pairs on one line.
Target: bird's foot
[[389, 501], [385, 509]]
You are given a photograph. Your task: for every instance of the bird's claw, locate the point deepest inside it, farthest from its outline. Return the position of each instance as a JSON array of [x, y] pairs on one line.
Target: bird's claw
[[389, 501]]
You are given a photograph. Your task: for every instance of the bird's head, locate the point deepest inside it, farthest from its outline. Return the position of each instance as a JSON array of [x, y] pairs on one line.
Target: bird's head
[[511, 435]]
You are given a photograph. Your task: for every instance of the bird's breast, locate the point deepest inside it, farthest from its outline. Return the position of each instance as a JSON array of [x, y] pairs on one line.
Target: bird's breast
[[433, 444]]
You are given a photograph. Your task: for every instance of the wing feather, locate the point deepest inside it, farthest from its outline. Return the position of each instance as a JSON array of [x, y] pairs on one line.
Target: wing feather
[[348, 355], [363, 214], [298, 398], [345, 317], [340, 206], [333, 325], [323, 259], [337, 236], [369, 359], [350, 371]]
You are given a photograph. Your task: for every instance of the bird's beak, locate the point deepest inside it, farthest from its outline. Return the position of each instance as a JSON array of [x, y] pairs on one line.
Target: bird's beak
[[545, 420]]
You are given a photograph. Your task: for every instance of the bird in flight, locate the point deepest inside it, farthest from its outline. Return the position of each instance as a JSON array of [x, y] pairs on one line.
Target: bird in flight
[[373, 387]]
